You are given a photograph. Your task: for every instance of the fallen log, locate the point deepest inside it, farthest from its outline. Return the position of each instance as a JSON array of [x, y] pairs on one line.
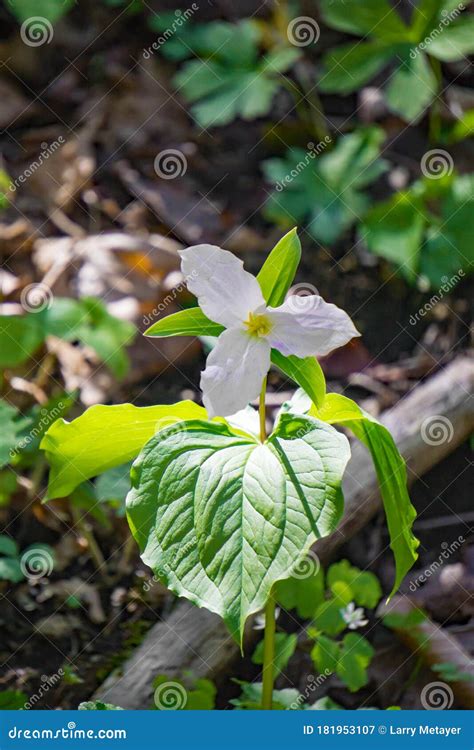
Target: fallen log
[[435, 645], [193, 639]]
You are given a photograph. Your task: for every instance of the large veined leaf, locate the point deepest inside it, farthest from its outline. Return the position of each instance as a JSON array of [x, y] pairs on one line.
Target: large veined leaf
[[220, 517], [104, 437], [391, 475]]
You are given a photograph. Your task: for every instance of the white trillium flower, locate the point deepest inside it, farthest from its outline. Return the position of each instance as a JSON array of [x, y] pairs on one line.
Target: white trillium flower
[[229, 295], [354, 618]]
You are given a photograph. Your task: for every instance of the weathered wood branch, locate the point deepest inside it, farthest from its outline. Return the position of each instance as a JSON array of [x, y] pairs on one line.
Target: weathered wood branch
[[196, 640]]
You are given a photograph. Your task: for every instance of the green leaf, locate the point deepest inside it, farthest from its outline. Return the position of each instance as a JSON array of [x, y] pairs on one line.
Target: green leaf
[[251, 698], [455, 42], [301, 594], [356, 655], [191, 322], [10, 570], [12, 700], [285, 647], [51, 10], [391, 475], [350, 66], [20, 337], [328, 617], [277, 273], [188, 695], [364, 585], [113, 486], [121, 432], [88, 321], [306, 372], [220, 517], [394, 230], [325, 654], [325, 191], [412, 88], [372, 17], [9, 435], [228, 80], [8, 546]]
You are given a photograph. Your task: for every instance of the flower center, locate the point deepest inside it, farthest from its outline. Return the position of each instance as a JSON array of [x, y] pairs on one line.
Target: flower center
[[258, 325]]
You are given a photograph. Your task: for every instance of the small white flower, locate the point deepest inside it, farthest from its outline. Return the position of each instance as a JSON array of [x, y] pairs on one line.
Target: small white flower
[[354, 618], [231, 296], [259, 623]]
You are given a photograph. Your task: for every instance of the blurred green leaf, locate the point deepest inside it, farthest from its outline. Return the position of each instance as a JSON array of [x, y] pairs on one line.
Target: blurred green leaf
[[51, 10], [301, 594], [325, 191], [285, 647], [364, 585]]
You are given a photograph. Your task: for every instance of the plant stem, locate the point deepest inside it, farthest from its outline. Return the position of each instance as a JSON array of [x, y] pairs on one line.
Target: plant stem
[[88, 534], [269, 636], [261, 411], [268, 654]]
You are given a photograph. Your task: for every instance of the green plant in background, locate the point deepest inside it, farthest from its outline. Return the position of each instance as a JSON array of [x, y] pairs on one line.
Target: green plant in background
[[325, 190], [221, 512], [86, 321], [5, 183], [437, 32], [425, 230], [15, 566], [189, 693], [228, 79], [350, 657], [51, 10]]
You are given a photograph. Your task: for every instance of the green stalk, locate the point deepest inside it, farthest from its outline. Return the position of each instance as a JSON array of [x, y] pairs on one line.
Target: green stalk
[[269, 636], [268, 674]]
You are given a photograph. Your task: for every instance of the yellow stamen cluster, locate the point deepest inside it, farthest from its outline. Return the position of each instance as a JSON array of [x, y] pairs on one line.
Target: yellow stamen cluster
[[258, 325]]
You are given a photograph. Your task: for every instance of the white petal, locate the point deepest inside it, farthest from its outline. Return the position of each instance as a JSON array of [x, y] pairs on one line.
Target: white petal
[[226, 292], [234, 372], [307, 326]]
